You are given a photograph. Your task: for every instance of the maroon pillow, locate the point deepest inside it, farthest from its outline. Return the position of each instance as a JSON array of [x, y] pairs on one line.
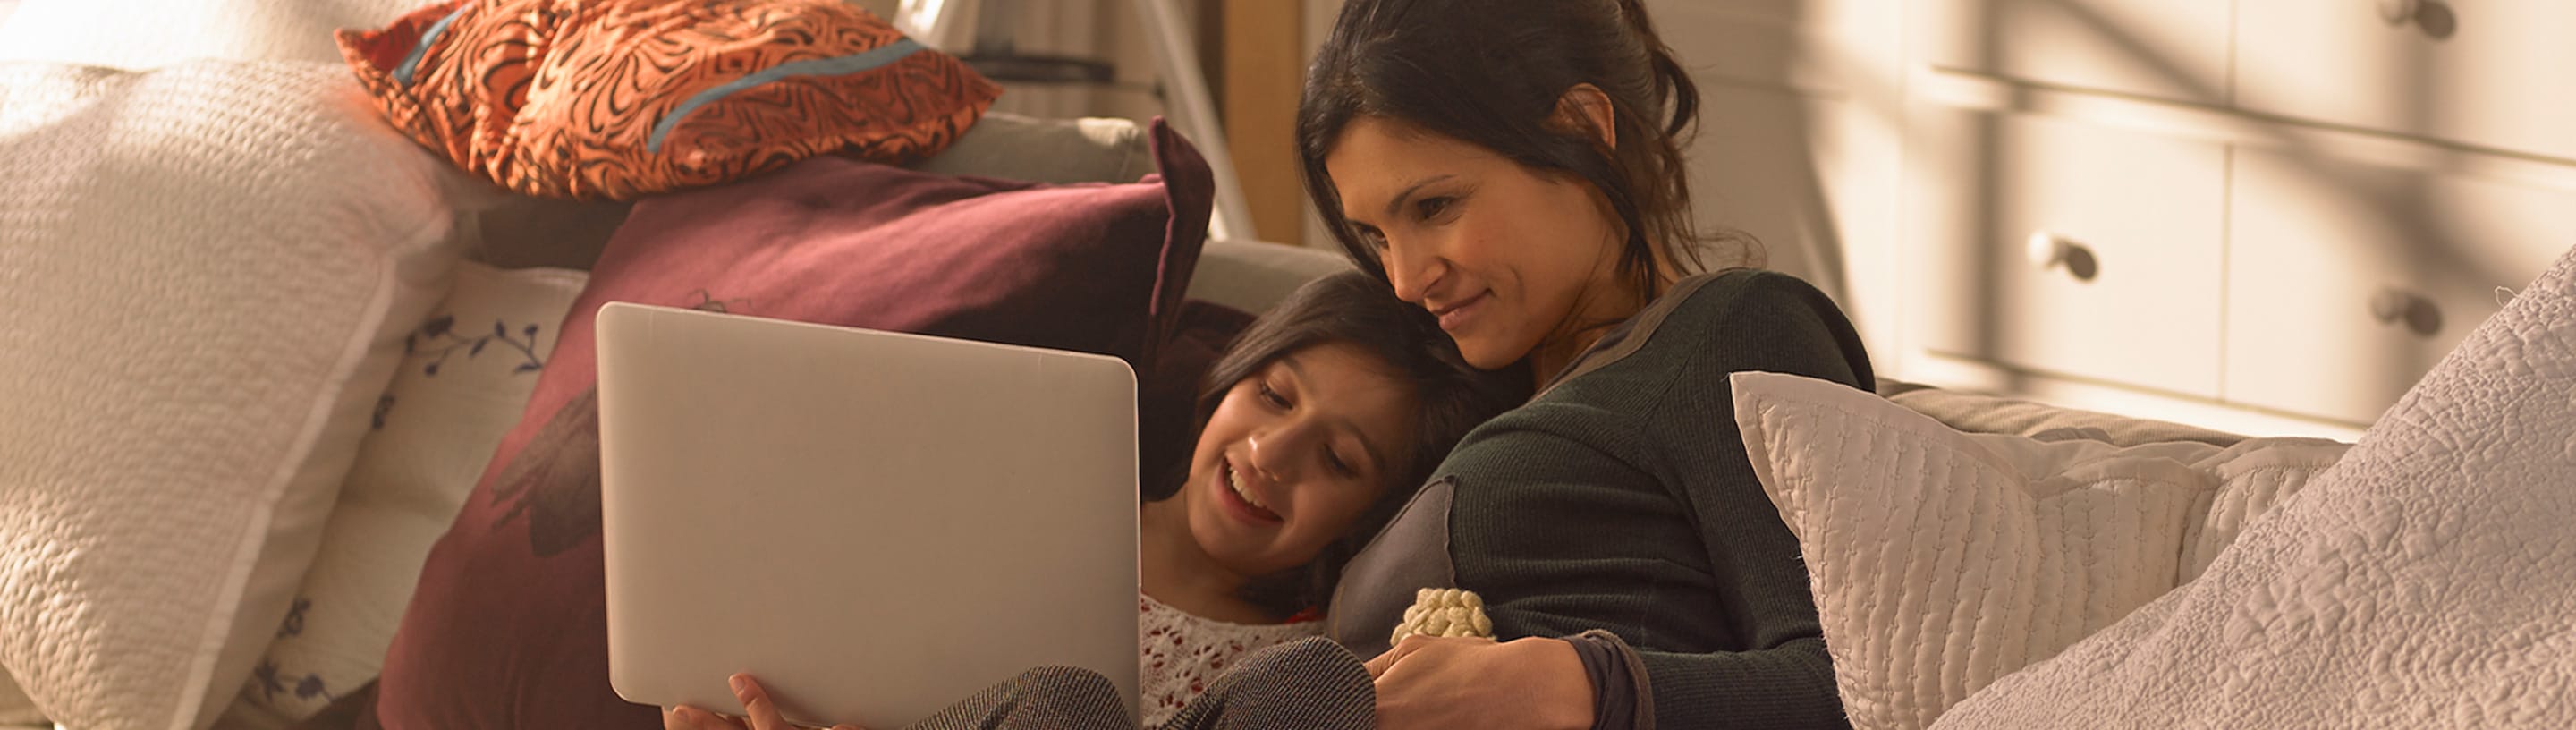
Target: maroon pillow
[[508, 629], [1167, 420]]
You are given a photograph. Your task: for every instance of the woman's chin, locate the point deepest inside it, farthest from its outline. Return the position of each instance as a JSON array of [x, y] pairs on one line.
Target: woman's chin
[[1484, 354], [1496, 365]]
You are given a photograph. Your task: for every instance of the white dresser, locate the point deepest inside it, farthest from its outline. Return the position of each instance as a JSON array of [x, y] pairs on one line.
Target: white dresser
[[2262, 215]]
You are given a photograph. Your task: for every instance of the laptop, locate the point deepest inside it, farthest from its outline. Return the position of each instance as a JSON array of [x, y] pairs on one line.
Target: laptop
[[877, 525]]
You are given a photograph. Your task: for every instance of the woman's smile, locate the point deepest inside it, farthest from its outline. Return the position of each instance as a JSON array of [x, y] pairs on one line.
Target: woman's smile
[[1455, 317]]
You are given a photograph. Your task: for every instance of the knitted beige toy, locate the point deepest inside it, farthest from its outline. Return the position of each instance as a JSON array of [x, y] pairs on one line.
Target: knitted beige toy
[[1444, 612]]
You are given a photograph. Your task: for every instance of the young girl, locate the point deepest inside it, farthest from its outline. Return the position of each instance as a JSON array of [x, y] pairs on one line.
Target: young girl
[[1317, 424], [1319, 421]]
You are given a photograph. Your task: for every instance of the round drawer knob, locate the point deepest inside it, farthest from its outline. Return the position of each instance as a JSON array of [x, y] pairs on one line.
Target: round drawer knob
[[2399, 11], [2048, 250], [2434, 17], [2390, 305], [2395, 306]]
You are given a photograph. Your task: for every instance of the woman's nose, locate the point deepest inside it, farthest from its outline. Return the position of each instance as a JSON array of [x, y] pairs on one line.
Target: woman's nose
[[1411, 270]]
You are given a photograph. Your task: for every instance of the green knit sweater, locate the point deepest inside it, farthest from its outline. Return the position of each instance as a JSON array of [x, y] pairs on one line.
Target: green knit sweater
[[1620, 499]]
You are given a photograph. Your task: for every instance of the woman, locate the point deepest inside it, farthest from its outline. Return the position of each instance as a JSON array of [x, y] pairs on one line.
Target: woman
[[1514, 168], [1319, 420]]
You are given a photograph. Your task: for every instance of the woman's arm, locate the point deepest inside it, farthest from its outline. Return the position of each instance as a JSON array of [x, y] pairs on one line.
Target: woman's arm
[[1767, 323], [1621, 500], [1584, 542]]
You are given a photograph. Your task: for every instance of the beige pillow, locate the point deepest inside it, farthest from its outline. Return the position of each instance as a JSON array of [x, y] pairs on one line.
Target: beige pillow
[[1252, 276], [205, 275], [464, 380], [1981, 413], [2429, 580], [1943, 560], [142, 34]]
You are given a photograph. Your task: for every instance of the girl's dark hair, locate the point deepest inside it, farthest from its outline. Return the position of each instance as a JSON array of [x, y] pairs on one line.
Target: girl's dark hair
[[1491, 74], [1356, 309]]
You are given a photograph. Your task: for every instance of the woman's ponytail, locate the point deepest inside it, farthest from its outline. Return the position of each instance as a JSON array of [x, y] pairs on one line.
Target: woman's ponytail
[[1672, 82]]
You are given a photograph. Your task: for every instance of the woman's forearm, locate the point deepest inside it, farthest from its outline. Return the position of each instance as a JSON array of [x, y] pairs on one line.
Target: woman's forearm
[[1790, 686]]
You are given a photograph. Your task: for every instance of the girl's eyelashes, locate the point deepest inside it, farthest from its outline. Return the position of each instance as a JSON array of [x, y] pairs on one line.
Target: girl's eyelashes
[[1334, 460], [1277, 400]]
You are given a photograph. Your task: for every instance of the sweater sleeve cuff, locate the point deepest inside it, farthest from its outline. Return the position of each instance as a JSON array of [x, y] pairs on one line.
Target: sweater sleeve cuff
[[1621, 696]]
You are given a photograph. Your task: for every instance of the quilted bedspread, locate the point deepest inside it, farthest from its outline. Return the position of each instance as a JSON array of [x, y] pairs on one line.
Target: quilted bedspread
[[2427, 580]]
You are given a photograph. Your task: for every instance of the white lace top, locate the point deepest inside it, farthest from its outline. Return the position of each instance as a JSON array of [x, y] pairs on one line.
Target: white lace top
[[1183, 654]]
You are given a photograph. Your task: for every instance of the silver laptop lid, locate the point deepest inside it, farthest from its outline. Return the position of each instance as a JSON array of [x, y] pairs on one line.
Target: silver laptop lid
[[875, 524]]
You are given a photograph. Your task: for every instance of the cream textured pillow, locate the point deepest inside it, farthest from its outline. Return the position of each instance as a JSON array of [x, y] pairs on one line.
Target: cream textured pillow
[[139, 34], [205, 276], [2429, 580], [464, 381], [1980, 413], [1942, 560]]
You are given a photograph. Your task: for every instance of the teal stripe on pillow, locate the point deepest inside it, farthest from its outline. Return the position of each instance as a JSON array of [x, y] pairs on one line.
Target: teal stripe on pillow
[[834, 66], [411, 61]]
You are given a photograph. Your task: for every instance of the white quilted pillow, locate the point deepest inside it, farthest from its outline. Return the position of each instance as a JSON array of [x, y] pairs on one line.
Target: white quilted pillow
[[205, 275], [2428, 580], [463, 383], [139, 34], [1943, 560]]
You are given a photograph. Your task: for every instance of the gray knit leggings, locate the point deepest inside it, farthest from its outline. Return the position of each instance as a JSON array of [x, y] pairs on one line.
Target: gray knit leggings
[[1313, 683]]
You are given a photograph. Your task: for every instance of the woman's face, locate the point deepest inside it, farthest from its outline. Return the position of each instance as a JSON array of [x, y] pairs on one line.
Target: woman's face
[[1514, 263], [1293, 455]]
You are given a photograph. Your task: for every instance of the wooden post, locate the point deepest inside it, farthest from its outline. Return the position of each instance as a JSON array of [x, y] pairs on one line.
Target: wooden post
[[1264, 71]]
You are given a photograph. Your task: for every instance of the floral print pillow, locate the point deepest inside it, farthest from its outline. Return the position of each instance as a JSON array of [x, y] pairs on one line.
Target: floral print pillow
[[466, 376]]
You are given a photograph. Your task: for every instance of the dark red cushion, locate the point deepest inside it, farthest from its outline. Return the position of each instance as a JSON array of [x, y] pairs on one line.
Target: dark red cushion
[[507, 628], [1167, 425]]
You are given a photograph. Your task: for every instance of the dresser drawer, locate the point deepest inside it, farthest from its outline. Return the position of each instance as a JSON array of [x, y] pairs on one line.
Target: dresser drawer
[[2051, 246], [2489, 73], [2346, 282], [2173, 49]]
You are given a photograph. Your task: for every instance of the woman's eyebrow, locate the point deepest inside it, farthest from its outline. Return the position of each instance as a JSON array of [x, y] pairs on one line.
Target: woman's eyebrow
[[1368, 445]]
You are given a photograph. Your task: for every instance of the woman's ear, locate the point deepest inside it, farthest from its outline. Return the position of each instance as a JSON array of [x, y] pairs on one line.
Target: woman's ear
[[1585, 108]]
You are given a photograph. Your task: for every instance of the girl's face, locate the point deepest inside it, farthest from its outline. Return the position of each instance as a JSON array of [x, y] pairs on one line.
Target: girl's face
[[1516, 264], [1293, 455]]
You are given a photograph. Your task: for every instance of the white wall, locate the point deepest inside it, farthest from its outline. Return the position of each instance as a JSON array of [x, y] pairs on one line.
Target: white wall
[[1800, 138]]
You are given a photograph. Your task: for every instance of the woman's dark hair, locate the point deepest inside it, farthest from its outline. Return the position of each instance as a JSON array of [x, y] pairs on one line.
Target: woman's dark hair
[[1406, 342], [1491, 74]]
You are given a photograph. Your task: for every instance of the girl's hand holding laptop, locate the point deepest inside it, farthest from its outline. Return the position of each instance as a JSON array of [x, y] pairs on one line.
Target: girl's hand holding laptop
[[755, 700]]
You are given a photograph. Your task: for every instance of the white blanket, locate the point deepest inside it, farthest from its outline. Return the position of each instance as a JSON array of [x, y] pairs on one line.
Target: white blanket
[[2427, 580]]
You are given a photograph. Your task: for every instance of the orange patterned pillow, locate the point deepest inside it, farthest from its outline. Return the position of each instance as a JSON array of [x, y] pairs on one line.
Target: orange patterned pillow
[[622, 98]]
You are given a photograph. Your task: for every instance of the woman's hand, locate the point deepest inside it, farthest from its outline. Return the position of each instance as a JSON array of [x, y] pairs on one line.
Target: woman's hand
[[760, 713], [1523, 684]]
